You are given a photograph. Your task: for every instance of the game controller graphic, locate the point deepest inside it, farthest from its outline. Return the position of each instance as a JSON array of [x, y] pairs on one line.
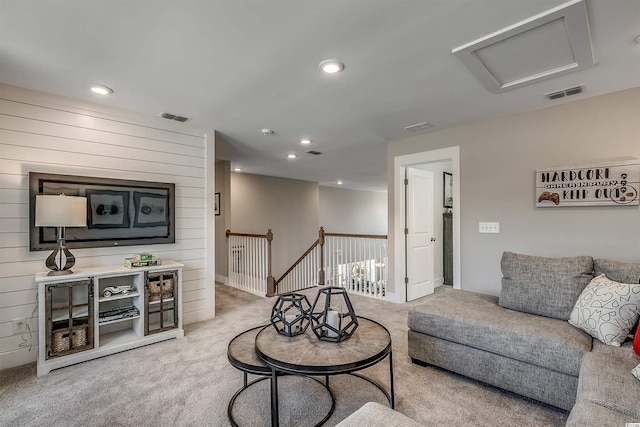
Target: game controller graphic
[[552, 197]]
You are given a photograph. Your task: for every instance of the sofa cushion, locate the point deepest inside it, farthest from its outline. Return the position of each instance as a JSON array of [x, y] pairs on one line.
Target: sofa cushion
[[606, 380], [544, 286], [586, 414], [607, 310], [625, 272], [476, 320]]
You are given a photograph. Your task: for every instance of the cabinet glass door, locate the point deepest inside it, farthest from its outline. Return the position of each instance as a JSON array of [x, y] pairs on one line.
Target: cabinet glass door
[[161, 302], [69, 323]]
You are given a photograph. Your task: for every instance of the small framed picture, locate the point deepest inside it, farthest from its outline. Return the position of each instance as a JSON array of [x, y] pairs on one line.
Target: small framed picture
[[216, 204], [447, 190], [107, 209]]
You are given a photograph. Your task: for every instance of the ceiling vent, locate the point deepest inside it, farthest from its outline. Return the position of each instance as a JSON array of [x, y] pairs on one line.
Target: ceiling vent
[[418, 127], [564, 93], [170, 116], [547, 45], [314, 152]]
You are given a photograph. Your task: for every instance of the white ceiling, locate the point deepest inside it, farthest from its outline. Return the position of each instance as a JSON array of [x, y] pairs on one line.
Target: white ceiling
[[241, 66]]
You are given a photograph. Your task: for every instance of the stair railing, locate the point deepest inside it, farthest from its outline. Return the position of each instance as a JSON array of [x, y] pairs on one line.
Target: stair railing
[[356, 262], [249, 257]]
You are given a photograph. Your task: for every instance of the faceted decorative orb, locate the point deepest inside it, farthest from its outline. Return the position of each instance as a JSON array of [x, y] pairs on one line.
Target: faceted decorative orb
[[332, 316], [290, 314]]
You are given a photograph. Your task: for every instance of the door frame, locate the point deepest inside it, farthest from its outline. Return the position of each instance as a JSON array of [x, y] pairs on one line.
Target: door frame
[[400, 163]]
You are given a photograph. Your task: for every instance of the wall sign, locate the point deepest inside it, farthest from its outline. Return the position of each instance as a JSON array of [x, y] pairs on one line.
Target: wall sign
[[605, 184]]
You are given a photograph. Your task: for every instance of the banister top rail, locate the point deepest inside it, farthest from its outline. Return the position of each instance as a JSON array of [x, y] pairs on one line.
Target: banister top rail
[[298, 261], [268, 236], [363, 236]]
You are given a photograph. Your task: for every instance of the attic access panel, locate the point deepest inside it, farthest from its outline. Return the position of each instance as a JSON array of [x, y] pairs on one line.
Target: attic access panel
[[547, 45]]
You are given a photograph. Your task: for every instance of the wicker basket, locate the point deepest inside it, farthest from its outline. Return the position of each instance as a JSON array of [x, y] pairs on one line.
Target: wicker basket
[[160, 287], [60, 339]]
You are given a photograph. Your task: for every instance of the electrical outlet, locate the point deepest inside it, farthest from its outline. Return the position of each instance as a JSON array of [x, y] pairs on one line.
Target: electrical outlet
[[489, 227], [20, 326]]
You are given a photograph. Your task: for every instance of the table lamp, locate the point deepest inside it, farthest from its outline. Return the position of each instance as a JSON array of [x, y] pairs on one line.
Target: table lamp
[[60, 211]]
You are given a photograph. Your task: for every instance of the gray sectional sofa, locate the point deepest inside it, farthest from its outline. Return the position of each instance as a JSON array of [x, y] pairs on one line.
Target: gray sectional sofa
[[522, 341]]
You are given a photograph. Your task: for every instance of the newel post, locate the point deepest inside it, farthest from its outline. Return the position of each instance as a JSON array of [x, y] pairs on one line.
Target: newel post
[[321, 242], [271, 281]]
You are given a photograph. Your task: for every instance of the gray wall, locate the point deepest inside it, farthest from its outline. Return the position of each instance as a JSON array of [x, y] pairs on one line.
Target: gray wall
[[288, 207], [353, 211], [498, 159], [223, 186]]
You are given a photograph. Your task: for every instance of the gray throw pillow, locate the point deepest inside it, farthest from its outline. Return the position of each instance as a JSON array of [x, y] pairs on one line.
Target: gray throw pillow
[[543, 286], [607, 310], [625, 272]]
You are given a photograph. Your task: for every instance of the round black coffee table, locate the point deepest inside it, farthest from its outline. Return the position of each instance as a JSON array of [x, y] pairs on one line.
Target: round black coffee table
[[241, 355], [305, 354]]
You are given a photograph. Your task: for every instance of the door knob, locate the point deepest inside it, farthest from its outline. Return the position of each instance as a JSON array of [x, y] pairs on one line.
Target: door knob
[[433, 239]]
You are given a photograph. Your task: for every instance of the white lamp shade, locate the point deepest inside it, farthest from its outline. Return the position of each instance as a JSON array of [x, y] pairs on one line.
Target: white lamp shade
[[61, 211]]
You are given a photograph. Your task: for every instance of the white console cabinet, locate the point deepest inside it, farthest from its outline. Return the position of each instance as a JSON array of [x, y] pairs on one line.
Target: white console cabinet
[[94, 312]]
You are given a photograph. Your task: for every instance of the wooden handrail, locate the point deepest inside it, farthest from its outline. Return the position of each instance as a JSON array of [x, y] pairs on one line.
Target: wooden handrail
[[364, 236], [298, 261], [230, 233]]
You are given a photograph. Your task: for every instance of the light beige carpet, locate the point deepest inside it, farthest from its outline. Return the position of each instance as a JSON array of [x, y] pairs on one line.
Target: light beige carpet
[[188, 382]]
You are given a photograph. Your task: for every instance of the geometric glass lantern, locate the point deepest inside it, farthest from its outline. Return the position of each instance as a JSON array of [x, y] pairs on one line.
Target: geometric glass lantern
[[332, 316], [290, 314]]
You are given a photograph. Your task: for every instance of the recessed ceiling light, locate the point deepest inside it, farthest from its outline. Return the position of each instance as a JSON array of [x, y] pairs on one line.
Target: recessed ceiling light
[[237, 169], [331, 66], [291, 156], [101, 90], [267, 132], [305, 141], [339, 182]]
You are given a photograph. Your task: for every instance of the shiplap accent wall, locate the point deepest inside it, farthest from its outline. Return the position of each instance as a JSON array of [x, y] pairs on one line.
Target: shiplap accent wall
[[42, 133]]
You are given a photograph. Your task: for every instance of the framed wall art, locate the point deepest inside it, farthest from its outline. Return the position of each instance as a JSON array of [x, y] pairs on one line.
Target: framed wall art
[[119, 212], [447, 190], [216, 204]]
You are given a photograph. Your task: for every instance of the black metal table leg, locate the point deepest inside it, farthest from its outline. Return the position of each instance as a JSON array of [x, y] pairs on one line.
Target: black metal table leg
[[393, 394], [275, 417]]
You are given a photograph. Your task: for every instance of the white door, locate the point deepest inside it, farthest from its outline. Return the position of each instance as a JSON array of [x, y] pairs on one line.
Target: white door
[[419, 233]]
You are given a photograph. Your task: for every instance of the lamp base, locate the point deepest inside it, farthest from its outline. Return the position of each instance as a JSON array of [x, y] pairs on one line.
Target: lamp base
[[59, 272], [60, 260]]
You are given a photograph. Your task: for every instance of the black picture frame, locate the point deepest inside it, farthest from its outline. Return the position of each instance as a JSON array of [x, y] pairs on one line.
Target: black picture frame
[[107, 208], [447, 190], [151, 209], [216, 204], [109, 227]]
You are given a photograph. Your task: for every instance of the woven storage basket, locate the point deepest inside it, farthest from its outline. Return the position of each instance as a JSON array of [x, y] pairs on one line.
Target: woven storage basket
[[155, 289], [60, 339]]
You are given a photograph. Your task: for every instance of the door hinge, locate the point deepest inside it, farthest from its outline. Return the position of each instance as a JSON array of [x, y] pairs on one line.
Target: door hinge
[[406, 280], [406, 181], [406, 231]]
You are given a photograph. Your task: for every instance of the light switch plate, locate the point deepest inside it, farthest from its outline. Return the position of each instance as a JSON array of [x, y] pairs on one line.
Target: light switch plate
[[489, 227]]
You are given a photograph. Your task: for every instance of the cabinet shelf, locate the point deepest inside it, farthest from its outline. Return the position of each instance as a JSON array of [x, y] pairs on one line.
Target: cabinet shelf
[[109, 322], [113, 339], [117, 297]]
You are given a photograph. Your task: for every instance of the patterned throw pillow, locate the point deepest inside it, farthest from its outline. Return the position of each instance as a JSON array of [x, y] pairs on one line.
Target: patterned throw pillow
[[636, 372], [607, 310]]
